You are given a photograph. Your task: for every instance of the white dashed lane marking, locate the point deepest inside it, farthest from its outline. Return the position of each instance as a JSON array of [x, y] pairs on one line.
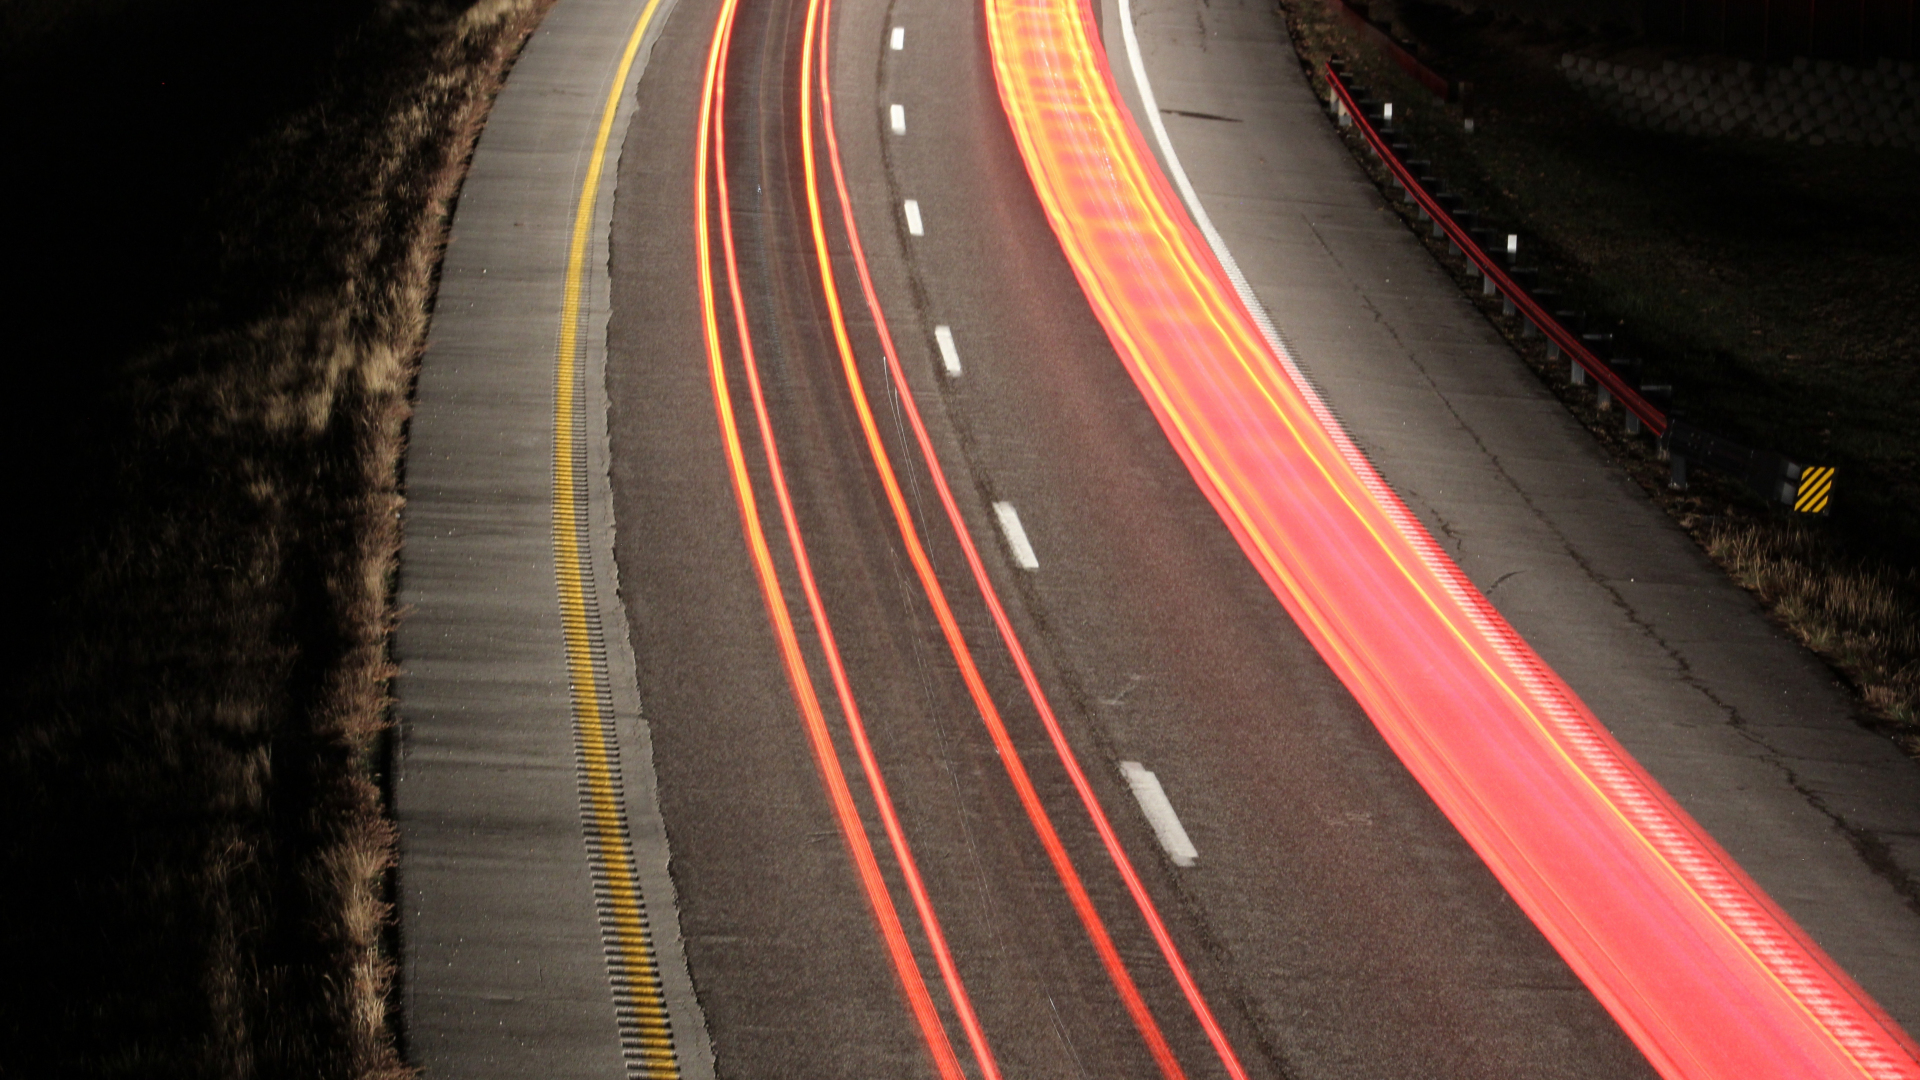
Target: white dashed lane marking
[[949, 356], [1153, 802], [914, 224], [1023, 555], [898, 114], [899, 38]]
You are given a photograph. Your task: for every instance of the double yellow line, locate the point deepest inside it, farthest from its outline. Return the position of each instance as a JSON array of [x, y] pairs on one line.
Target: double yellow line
[[646, 1037]]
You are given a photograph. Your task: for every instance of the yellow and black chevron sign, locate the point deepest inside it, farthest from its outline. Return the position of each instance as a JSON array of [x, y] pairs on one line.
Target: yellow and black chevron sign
[[1816, 485]]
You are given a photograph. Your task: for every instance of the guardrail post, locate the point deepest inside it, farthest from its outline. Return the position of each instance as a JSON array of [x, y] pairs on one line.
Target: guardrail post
[[1545, 298], [1678, 480], [1661, 395], [1569, 320], [1466, 219], [1521, 277], [1483, 239], [1451, 204], [1629, 372], [1788, 481]]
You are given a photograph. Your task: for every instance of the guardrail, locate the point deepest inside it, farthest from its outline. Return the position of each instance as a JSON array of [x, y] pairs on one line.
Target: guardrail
[[1773, 477], [1805, 488]]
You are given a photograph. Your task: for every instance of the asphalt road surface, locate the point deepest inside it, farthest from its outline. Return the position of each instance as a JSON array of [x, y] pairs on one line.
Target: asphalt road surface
[[1333, 921], [973, 742]]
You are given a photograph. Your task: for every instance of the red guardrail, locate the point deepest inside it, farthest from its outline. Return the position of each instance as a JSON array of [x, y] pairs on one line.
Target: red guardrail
[[1568, 341]]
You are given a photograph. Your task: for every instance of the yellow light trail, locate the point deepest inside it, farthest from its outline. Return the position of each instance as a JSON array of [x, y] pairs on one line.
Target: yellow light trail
[[1706, 974]]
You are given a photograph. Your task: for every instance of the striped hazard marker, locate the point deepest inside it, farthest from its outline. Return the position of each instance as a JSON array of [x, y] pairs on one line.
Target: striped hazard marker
[[1816, 486]]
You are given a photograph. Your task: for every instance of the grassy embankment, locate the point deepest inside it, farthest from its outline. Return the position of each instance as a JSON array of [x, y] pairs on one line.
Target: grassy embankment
[[1777, 286], [230, 214]]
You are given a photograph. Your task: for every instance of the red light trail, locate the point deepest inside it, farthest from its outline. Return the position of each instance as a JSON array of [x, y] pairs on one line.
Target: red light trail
[[710, 146], [711, 156], [989, 713], [1702, 970]]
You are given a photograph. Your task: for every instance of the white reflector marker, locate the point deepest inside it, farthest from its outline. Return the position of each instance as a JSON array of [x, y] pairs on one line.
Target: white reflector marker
[[899, 38], [1153, 802], [1023, 556], [949, 356], [914, 225], [898, 114]]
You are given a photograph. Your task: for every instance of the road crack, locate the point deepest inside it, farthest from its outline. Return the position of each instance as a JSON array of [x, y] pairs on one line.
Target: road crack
[[1869, 847]]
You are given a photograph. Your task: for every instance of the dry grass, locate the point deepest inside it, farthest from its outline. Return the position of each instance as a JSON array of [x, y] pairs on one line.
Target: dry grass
[[1780, 308], [1859, 615], [197, 846]]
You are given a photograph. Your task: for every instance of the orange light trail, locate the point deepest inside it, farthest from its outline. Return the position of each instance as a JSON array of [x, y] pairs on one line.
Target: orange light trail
[[1700, 968], [989, 712], [709, 146], [829, 644]]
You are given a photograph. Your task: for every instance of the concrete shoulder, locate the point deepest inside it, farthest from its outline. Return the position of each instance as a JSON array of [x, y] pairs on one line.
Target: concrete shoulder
[[1748, 731], [538, 918]]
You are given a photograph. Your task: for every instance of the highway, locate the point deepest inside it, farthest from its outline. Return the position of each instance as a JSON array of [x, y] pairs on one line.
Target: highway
[[979, 745], [1322, 868]]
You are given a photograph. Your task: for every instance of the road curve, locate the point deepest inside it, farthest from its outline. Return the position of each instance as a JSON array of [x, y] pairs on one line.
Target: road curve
[[1746, 729], [982, 749], [1706, 973], [536, 909], [1284, 949]]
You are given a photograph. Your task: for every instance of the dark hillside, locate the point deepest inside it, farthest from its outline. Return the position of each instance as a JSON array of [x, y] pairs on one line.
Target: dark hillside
[[228, 215], [130, 125]]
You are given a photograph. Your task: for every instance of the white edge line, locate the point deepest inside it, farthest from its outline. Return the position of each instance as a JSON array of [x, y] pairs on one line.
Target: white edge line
[[1555, 706], [1178, 174], [949, 354], [1154, 803], [914, 224], [1023, 555]]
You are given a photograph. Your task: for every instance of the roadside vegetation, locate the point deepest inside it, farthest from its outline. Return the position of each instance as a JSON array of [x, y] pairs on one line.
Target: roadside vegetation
[[1775, 285], [228, 216]]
